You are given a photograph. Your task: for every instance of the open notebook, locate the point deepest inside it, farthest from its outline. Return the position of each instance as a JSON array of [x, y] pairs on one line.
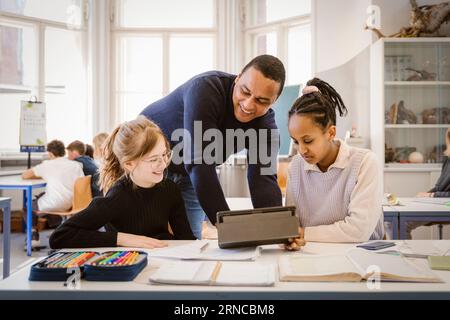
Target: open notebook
[[215, 273], [356, 265]]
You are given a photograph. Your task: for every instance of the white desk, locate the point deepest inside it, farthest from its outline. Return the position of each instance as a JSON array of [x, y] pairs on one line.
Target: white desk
[[11, 171], [410, 210], [17, 285], [17, 183]]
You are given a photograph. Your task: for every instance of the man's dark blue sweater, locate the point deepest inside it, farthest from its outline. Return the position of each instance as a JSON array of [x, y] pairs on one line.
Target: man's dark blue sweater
[[208, 98]]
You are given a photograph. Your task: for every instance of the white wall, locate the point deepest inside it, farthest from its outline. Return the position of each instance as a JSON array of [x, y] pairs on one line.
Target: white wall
[[342, 57], [341, 50], [339, 31]]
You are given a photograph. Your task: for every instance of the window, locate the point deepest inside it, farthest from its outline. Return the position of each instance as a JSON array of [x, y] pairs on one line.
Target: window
[[281, 28], [265, 11], [43, 55], [158, 46], [68, 117], [18, 77], [64, 11], [166, 14]]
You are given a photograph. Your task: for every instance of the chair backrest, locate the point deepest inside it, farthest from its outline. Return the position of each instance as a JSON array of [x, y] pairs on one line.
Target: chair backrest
[[282, 172], [82, 194]]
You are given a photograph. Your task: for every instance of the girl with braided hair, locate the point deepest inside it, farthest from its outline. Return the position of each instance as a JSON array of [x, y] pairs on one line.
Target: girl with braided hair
[[335, 188]]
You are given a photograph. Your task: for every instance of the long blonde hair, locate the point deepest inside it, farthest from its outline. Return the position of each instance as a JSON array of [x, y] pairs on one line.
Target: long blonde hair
[[98, 142], [129, 141]]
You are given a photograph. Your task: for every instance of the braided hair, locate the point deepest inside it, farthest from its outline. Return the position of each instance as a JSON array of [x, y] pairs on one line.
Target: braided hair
[[321, 105]]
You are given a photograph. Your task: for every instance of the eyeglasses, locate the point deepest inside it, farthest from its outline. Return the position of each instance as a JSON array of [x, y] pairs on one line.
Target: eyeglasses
[[155, 161]]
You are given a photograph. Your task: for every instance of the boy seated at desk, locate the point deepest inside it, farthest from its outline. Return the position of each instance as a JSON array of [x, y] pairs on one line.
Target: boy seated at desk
[[77, 151], [60, 174]]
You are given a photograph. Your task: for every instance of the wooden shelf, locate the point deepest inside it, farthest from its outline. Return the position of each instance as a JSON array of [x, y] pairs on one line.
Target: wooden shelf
[[417, 126], [416, 83]]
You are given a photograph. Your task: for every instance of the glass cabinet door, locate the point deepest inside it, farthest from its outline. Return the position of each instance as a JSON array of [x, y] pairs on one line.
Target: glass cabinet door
[[417, 102]]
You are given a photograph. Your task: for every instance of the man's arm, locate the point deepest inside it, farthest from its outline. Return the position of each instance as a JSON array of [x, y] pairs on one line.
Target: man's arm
[[263, 164], [29, 174], [261, 175], [202, 105]]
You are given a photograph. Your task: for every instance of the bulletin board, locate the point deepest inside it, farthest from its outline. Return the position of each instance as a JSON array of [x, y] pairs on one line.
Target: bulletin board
[[33, 126]]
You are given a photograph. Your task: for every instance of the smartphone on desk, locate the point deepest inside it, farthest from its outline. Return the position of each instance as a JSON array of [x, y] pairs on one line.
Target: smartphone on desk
[[377, 245]]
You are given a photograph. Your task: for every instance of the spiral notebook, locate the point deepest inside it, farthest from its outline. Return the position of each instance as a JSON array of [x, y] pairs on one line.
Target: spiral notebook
[[215, 273]]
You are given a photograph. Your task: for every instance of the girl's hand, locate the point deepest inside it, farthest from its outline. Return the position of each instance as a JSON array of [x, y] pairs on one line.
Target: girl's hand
[[423, 195], [135, 241], [296, 243]]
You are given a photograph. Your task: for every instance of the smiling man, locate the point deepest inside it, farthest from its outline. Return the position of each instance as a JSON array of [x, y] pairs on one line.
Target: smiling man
[[222, 102]]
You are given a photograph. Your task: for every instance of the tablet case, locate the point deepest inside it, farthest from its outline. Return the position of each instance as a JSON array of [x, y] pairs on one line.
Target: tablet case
[[89, 272], [256, 227]]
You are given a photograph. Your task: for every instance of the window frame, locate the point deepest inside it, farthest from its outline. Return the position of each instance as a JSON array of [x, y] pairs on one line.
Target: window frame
[[40, 25], [279, 27], [118, 32]]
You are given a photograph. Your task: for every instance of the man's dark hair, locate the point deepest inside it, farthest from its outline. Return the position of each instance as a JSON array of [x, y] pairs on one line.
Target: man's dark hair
[[77, 146], [271, 67], [57, 148]]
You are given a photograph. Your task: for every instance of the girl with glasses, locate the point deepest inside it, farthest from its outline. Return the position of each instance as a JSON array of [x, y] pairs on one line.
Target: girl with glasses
[[139, 203]]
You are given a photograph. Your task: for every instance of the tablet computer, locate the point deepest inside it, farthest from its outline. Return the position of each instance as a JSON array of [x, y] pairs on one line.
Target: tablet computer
[[245, 228]]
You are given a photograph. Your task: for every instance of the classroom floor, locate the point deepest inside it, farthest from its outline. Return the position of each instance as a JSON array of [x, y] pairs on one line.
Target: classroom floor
[[19, 257]]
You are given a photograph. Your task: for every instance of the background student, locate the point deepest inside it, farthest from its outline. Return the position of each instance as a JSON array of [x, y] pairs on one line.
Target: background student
[[77, 151], [442, 187], [336, 188], [440, 190], [98, 143], [90, 152], [139, 203], [60, 174]]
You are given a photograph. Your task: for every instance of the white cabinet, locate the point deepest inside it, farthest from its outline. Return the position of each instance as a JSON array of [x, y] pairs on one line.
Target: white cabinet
[[410, 110]]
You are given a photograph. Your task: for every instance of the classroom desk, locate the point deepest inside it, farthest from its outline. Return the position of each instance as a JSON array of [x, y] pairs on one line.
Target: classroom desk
[[409, 210], [5, 204], [17, 285], [390, 214], [17, 183], [11, 171]]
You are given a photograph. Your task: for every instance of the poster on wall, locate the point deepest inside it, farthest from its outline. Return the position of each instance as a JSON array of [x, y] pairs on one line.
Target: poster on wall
[[33, 133]]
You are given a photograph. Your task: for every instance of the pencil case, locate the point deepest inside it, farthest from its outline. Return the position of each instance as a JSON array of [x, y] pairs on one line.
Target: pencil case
[[60, 266]]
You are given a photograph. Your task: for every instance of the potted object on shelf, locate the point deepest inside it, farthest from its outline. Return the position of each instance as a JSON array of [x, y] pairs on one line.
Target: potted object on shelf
[[405, 116], [416, 157], [436, 116]]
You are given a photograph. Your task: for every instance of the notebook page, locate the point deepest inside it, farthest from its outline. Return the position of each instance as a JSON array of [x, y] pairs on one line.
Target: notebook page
[[184, 272], [396, 266], [180, 252], [246, 274], [211, 252], [317, 265]]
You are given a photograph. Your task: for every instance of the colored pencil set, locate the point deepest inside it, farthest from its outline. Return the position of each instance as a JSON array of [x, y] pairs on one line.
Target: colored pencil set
[[67, 260], [119, 258], [77, 259]]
